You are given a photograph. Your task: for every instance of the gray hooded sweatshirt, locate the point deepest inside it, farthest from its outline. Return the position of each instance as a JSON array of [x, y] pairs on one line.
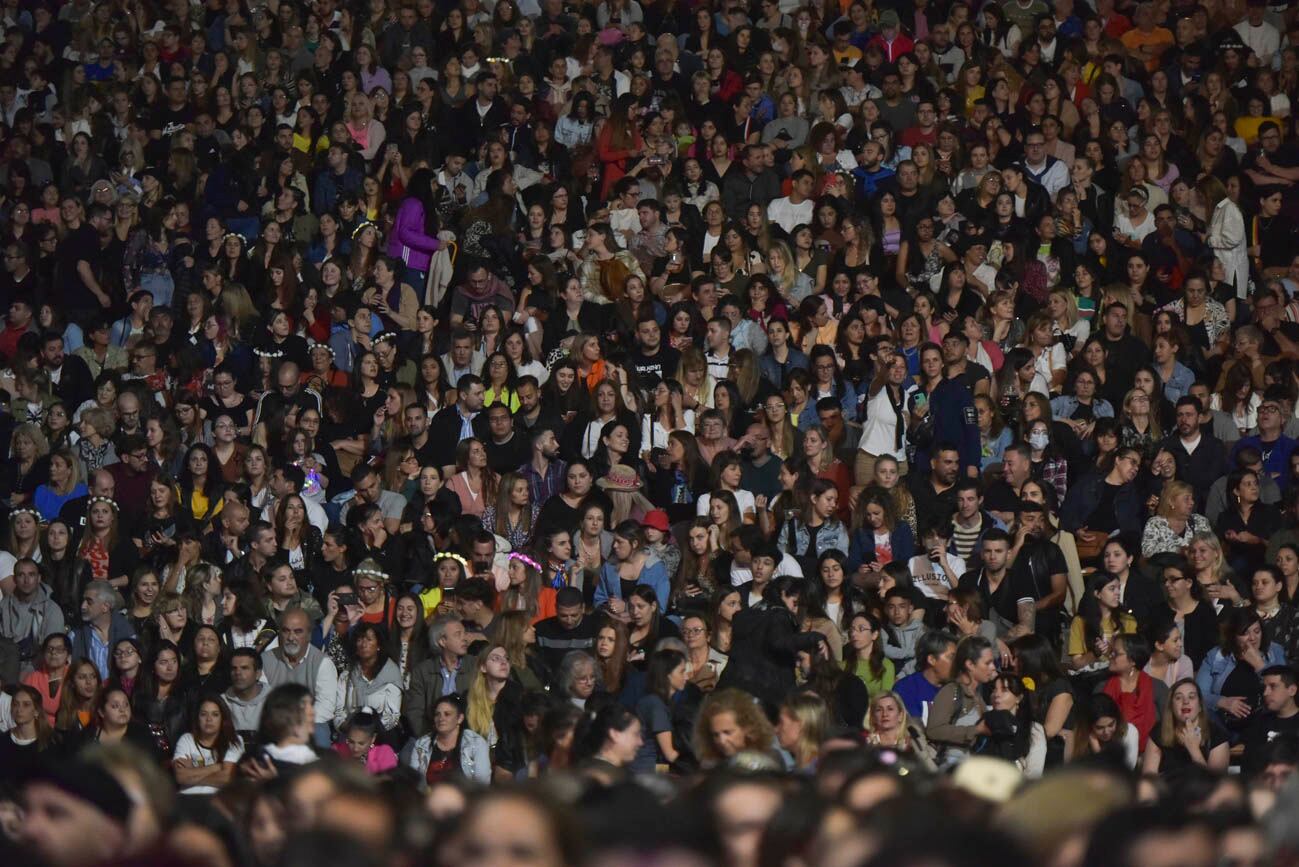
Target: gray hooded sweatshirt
[[28, 623]]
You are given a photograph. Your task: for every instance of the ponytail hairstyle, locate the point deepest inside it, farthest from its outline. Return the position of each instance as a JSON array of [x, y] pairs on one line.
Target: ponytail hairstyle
[[596, 725]]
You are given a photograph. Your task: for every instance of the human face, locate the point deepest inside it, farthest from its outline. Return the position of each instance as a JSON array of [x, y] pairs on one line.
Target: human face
[[642, 612], [1186, 702]]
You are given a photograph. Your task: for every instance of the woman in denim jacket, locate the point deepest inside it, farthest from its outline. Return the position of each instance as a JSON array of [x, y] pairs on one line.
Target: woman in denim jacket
[[434, 755], [1230, 676], [817, 530]]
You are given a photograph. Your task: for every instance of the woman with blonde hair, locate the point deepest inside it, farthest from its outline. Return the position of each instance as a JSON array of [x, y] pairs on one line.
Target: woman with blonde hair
[[889, 725], [697, 385], [792, 284], [802, 725], [494, 709], [1175, 522], [1210, 571]]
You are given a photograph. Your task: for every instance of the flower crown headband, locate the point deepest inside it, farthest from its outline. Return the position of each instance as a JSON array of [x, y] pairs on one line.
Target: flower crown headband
[[109, 500], [371, 573], [268, 353], [228, 235], [26, 510], [447, 555], [362, 226], [524, 558]]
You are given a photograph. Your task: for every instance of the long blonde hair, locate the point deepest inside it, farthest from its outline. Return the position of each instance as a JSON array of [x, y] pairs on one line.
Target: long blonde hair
[[481, 705]]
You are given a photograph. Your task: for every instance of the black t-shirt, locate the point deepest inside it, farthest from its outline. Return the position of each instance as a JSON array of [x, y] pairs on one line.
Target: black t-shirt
[[661, 364], [1030, 578], [1264, 729], [81, 245]]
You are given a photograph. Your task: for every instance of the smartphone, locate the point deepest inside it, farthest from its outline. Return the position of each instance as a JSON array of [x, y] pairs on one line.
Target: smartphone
[[346, 599]]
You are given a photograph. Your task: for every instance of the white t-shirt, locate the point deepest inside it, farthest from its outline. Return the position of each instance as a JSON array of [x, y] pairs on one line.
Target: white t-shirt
[[742, 497], [929, 577], [202, 757]]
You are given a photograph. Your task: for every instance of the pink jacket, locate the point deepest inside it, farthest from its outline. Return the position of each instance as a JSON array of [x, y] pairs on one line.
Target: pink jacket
[[379, 760], [408, 241]]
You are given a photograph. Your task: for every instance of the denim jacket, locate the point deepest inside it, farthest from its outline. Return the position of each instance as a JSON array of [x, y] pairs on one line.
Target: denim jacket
[[475, 758], [832, 536], [1217, 667]]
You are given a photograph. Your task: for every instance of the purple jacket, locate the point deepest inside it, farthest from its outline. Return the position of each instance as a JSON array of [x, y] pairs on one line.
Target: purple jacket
[[408, 241]]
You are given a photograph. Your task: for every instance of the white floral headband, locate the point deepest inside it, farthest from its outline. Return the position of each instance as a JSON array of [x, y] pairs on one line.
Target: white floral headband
[[109, 500], [449, 556]]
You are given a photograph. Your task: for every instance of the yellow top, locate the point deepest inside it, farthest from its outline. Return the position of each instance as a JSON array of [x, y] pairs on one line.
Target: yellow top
[[1109, 629]]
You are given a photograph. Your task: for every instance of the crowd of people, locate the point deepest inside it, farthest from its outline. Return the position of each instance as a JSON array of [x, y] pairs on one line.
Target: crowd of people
[[536, 432]]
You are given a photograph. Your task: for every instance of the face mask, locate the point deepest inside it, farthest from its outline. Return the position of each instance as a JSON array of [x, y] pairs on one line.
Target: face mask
[[1038, 440]]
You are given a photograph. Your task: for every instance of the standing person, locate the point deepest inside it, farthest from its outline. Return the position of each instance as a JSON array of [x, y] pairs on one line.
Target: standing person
[[1226, 233], [414, 233], [955, 421]]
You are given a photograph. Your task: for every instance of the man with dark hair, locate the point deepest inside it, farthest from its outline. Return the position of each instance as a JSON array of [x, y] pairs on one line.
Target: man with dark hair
[[369, 490], [570, 629], [132, 475], [1004, 606], [1243, 458], [337, 179], [506, 449], [1201, 458], [652, 359], [460, 421], [1125, 352], [246, 694], [749, 182], [970, 523], [1279, 717], [935, 491], [1274, 447], [485, 112], [1039, 571], [935, 653]]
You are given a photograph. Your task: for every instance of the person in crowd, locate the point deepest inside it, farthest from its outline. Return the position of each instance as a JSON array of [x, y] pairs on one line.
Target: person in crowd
[[772, 399]]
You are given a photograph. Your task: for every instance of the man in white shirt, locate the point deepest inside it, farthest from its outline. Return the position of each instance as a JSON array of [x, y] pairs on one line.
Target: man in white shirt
[[1261, 37], [789, 211]]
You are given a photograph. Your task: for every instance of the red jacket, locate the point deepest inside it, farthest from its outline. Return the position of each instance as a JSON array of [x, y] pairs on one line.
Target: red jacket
[[1138, 706], [900, 45]]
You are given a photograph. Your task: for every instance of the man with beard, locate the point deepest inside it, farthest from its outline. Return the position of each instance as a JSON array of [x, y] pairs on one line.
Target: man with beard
[[545, 471], [1201, 458], [1007, 608], [935, 491], [293, 659], [1038, 570], [531, 415]]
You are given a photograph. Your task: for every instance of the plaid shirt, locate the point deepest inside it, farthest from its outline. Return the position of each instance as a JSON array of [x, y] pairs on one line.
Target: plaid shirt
[[547, 486]]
